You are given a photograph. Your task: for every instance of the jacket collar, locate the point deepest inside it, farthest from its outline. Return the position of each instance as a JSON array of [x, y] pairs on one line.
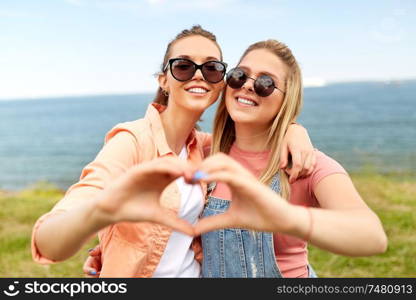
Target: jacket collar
[[153, 115]]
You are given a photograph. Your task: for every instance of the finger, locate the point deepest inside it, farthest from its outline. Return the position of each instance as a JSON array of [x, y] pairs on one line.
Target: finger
[[221, 162], [168, 218], [284, 156], [296, 167], [314, 161], [213, 223], [218, 161], [306, 165], [92, 274], [87, 268], [231, 179], [169, 168], [168, 172], [167, 165], [88, 271], [162, 174], [288, 171], [310, 163], [95, 263], [197, 176], [181, 165], [96, 251], [189, 174]]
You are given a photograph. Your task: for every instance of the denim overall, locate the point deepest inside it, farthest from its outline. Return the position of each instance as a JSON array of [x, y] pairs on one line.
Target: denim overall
[[235, 252]]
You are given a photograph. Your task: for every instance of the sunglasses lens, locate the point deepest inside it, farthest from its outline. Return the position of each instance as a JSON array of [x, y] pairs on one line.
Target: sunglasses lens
[[264, 86], [182, 69], [236, 78], [213, 71]]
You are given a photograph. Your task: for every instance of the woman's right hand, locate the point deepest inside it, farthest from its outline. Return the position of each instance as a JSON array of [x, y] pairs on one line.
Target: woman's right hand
[[135, 195], [92, 265]]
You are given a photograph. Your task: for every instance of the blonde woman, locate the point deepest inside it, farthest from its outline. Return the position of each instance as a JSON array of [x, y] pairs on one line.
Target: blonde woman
[[133, 193], [263, 97]]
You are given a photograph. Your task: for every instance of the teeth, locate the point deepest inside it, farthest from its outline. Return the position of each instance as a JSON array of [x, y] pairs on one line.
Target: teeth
[[197, 90], [246, 101]]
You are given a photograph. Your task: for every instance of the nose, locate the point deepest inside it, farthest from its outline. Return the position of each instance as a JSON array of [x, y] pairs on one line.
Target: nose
[[198, 75], [249, 84]]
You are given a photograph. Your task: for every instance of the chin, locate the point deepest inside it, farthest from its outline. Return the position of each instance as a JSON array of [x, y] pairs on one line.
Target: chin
[[246, 122], [242, 119], [197, 106]]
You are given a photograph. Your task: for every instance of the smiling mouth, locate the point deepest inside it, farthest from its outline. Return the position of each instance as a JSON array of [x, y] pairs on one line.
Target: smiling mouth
[[197, 90], [246, 101]]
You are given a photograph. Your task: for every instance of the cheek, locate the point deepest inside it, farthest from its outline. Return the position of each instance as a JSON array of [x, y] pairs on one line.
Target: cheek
[[172, 83], [228, 95], [220, 87], [277, 107], [175, 89], [216, 90], [272, 108]]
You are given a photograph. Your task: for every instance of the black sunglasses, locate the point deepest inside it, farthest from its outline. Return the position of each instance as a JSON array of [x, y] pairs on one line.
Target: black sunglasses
[[183, 69], [263, 85]]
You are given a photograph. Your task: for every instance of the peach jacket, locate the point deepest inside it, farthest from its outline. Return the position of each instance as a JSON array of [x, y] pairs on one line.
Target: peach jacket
[[129, 249]]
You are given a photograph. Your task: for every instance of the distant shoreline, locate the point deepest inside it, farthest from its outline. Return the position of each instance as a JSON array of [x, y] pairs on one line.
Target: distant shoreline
[[360, 125], [324, 84]]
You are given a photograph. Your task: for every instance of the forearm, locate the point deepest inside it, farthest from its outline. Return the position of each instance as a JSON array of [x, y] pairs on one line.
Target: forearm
[[351, 232], [62, 235]]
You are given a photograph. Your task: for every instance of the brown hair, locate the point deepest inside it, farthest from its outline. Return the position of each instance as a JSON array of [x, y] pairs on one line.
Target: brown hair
[[160, 97], [224, 130]]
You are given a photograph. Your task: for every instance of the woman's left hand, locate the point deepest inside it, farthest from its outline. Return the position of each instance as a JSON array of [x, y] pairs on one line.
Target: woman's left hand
[[254, 205], [298, 156]]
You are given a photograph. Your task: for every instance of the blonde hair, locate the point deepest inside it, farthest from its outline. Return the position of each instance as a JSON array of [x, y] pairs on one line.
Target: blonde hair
[[161, 97], [224, 130]]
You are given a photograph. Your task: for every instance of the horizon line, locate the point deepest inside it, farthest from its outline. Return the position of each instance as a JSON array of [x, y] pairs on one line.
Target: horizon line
[[321, 83]]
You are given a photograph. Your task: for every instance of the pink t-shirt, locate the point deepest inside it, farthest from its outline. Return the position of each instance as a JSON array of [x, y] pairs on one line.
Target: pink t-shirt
[[291, 252]]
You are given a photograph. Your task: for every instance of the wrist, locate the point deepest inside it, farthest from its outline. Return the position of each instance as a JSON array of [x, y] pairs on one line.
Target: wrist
[[300, 222], [98, 215]]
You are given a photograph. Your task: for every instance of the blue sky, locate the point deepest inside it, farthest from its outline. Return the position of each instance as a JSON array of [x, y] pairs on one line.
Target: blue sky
[[77, 47]]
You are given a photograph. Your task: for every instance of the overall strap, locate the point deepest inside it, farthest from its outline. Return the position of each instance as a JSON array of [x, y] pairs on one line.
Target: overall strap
[[275, 184], [211, 187]]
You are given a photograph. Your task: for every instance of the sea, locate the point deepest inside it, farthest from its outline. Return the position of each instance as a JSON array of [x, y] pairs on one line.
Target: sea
[[363, 125]]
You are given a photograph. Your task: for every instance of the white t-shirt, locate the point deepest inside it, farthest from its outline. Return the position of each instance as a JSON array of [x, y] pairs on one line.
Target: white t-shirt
[[178, 260]]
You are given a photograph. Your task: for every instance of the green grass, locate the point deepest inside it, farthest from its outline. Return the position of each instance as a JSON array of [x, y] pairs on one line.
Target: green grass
[[391, 196], [19, 211]]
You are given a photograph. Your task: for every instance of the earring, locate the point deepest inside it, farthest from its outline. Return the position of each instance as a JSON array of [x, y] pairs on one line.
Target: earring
[[166, 93]]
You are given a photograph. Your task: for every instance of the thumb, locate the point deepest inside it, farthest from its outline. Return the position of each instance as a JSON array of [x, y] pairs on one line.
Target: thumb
[[169, 218], [212, 223]]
